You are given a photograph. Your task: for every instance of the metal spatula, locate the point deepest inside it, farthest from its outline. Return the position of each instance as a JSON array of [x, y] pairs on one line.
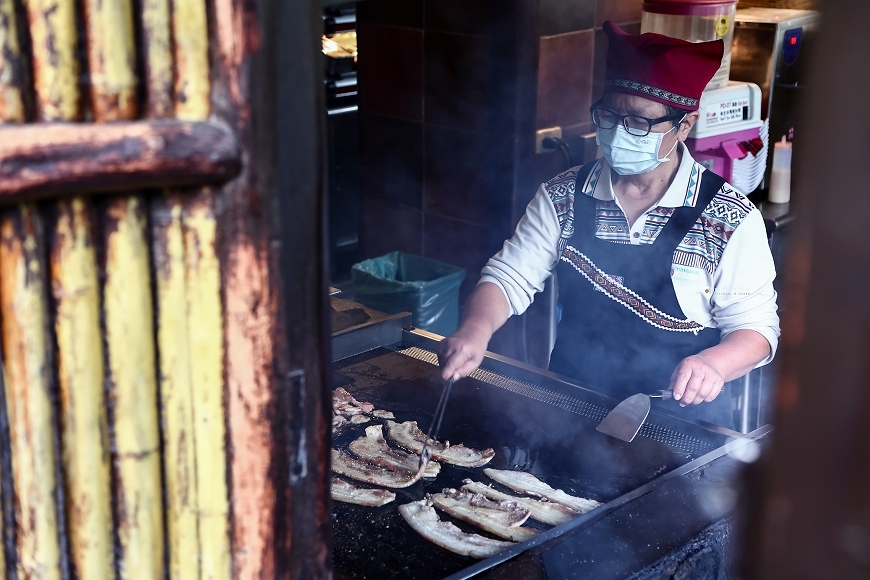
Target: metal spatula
[[625, 420]]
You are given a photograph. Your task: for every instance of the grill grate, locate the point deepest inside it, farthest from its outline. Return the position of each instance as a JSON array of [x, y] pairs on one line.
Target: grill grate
[[649, 430]]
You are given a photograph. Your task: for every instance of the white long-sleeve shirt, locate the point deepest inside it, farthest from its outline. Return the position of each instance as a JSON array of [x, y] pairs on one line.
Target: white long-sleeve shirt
[[722, 270]]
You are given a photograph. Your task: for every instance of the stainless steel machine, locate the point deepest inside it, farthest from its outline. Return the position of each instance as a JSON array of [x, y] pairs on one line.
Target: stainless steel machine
[[772, 48]]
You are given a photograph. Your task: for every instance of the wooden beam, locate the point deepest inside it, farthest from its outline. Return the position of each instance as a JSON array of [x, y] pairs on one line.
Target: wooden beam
[[64, 158]]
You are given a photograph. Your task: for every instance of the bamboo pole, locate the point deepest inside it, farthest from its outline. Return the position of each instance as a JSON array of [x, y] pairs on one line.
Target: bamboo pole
[[157, 57], [31, 420], [127, 311], [11, 110], [128, 315], [176, 391], [192, 84], [205, 321], [205, 313], [11, 66], [55, 68], [111, 59], [76, 297], [80, 377]]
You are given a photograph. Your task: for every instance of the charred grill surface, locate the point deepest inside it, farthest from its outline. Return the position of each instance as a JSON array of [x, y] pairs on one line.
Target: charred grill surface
[[559, 447]]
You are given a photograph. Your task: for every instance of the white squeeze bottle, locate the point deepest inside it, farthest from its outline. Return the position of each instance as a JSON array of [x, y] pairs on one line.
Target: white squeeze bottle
[[780, 174]]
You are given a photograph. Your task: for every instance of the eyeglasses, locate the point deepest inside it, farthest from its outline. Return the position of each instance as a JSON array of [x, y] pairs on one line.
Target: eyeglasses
[[634, 124]]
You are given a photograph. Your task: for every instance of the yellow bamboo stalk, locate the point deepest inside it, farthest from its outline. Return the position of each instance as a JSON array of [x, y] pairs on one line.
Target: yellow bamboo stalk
[[23, 302], [130, 338], [111, 59], [173, 343], [190, 32], [85, 439], [55, 68], [207, 354], [157, 58], [11, 100]]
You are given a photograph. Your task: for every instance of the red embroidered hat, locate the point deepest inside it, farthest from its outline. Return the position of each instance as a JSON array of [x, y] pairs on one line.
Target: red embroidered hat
[[660, 68]]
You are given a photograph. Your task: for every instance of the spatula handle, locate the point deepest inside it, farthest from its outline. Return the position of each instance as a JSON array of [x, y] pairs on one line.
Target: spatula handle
[[664, 395]]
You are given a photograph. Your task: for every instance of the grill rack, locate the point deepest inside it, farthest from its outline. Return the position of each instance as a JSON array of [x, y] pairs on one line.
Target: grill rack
[[649, 430]]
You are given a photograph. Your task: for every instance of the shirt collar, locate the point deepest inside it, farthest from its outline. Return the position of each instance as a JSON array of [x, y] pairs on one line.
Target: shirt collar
[[683, 190]]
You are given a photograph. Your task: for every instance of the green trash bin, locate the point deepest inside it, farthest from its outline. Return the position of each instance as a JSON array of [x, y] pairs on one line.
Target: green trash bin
[[400, 282]]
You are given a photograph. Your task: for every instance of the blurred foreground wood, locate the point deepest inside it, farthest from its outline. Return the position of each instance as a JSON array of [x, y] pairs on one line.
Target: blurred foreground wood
[[813, 492], [166, 351]]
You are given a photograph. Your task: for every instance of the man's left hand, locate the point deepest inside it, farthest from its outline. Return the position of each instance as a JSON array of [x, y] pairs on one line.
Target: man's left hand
[[696, 381]]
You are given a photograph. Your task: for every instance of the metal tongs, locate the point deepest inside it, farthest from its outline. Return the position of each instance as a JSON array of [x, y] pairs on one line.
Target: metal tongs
[[435, 427]]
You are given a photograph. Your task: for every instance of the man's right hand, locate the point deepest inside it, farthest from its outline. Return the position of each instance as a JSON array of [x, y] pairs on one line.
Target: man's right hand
[[461, 352]]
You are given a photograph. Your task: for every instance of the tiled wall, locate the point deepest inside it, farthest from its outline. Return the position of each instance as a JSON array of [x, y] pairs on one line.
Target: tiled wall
[[428, 132], [447, 165], [571, 53]]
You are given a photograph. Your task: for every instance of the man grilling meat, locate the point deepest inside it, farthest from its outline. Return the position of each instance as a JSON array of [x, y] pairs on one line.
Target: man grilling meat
[[665, 275]]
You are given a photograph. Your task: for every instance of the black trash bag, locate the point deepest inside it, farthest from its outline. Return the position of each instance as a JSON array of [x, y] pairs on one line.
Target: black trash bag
[[399, 282]]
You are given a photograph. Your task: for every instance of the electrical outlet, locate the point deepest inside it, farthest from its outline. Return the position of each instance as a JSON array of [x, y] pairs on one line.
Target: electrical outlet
[[542, 134]]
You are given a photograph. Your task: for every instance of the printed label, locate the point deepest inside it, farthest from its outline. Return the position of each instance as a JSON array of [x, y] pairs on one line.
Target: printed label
[[726, 111], [722, 26]]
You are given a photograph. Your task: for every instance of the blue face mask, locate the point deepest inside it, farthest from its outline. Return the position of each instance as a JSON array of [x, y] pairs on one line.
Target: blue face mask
[[630, 154]]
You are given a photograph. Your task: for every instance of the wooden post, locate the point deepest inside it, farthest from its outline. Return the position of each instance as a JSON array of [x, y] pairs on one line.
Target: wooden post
[[85, 437], [55, 68], [111, 59], [275, 355], [28, 397]]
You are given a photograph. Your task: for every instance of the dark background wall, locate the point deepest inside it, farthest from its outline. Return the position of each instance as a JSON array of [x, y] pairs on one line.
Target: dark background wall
[[451, 92]]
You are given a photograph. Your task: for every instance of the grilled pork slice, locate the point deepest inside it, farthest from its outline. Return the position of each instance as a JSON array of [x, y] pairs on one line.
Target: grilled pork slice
[[343, 403], [338, 421], [422, 517], [544, 511], [527, 483], [409, 436], [347, 492], [373, 448], [344, 464], [502, 518]]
